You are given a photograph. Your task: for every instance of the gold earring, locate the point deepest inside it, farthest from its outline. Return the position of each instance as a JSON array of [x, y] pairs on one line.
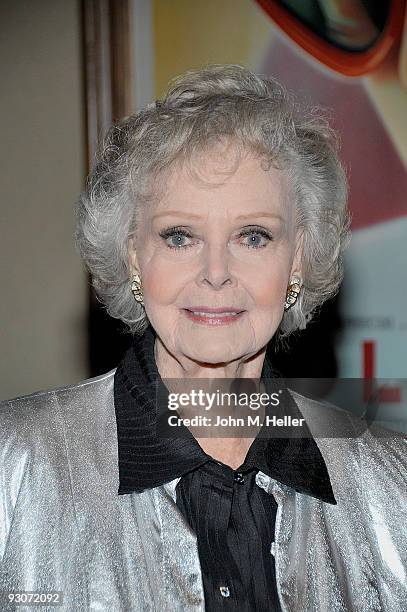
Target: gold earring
[[293, 290], [137, 289]]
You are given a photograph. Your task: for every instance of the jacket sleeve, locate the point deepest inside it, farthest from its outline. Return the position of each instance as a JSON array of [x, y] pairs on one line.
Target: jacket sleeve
[[14, 462], [384, 487], [20, 431]]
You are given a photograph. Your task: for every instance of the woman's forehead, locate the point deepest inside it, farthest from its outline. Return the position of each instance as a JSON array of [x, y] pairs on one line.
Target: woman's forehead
[[248, 187]]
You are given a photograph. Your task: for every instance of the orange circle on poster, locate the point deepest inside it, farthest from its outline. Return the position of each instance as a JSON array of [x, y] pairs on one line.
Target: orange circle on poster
[[349, 63]]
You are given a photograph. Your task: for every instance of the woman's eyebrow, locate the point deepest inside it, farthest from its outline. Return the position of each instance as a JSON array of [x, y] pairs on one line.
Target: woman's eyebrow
[[261, 214], [176, 213]]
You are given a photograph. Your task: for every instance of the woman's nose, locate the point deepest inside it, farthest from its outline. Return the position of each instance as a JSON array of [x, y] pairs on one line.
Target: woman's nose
[[216, 267]]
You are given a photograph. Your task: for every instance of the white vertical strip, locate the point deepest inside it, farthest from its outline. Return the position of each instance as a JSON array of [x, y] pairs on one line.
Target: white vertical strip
[[142, 43]]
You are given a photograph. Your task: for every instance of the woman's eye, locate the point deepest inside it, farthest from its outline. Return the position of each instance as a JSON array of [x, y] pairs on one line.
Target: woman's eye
[[175, 238], [256, 238]]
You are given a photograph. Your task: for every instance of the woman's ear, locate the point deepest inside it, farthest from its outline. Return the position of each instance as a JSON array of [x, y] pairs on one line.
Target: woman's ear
[[132, 256], [296, 268]]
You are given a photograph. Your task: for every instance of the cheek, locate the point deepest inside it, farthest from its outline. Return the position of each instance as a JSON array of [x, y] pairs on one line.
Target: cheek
[[269, 288], [161, 282], [268, 280]]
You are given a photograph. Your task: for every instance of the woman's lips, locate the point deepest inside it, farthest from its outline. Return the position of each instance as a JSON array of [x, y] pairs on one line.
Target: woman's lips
[[213, 318]]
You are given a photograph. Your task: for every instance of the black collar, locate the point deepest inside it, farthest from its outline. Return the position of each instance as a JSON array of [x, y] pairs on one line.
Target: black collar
[[147, 461]]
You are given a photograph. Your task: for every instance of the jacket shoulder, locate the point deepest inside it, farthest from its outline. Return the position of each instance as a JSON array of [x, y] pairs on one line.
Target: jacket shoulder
[[329, 420], [41, 401], [354, 449], [30, 421]]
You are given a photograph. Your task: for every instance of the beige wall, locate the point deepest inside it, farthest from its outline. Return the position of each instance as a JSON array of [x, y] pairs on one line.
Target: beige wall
[[190, 34], [42, 283]]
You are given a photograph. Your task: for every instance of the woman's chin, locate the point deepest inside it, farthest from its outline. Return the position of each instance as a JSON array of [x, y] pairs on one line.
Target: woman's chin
[[212, 354]]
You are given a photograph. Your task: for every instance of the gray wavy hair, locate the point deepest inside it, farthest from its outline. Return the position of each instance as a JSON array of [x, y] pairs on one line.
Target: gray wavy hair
[[201, 107]]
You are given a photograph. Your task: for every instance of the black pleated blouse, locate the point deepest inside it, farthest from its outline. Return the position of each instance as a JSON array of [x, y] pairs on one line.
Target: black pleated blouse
[[233, 519], [232, 516]]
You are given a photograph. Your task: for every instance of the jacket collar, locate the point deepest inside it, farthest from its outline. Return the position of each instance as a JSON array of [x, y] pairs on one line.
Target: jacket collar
[[147, 461]]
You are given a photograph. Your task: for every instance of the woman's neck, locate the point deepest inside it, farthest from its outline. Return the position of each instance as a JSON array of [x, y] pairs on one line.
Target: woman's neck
[[181, 367]]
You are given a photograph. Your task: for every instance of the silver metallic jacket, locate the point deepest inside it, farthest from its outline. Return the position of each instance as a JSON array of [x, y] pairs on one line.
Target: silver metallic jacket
[[63, 527]]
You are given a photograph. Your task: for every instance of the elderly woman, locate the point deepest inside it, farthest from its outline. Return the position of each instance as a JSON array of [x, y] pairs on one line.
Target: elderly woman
[[214, 220]]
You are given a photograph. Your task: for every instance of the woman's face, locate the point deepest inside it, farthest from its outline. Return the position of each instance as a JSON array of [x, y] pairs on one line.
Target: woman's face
[[230, 246]]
